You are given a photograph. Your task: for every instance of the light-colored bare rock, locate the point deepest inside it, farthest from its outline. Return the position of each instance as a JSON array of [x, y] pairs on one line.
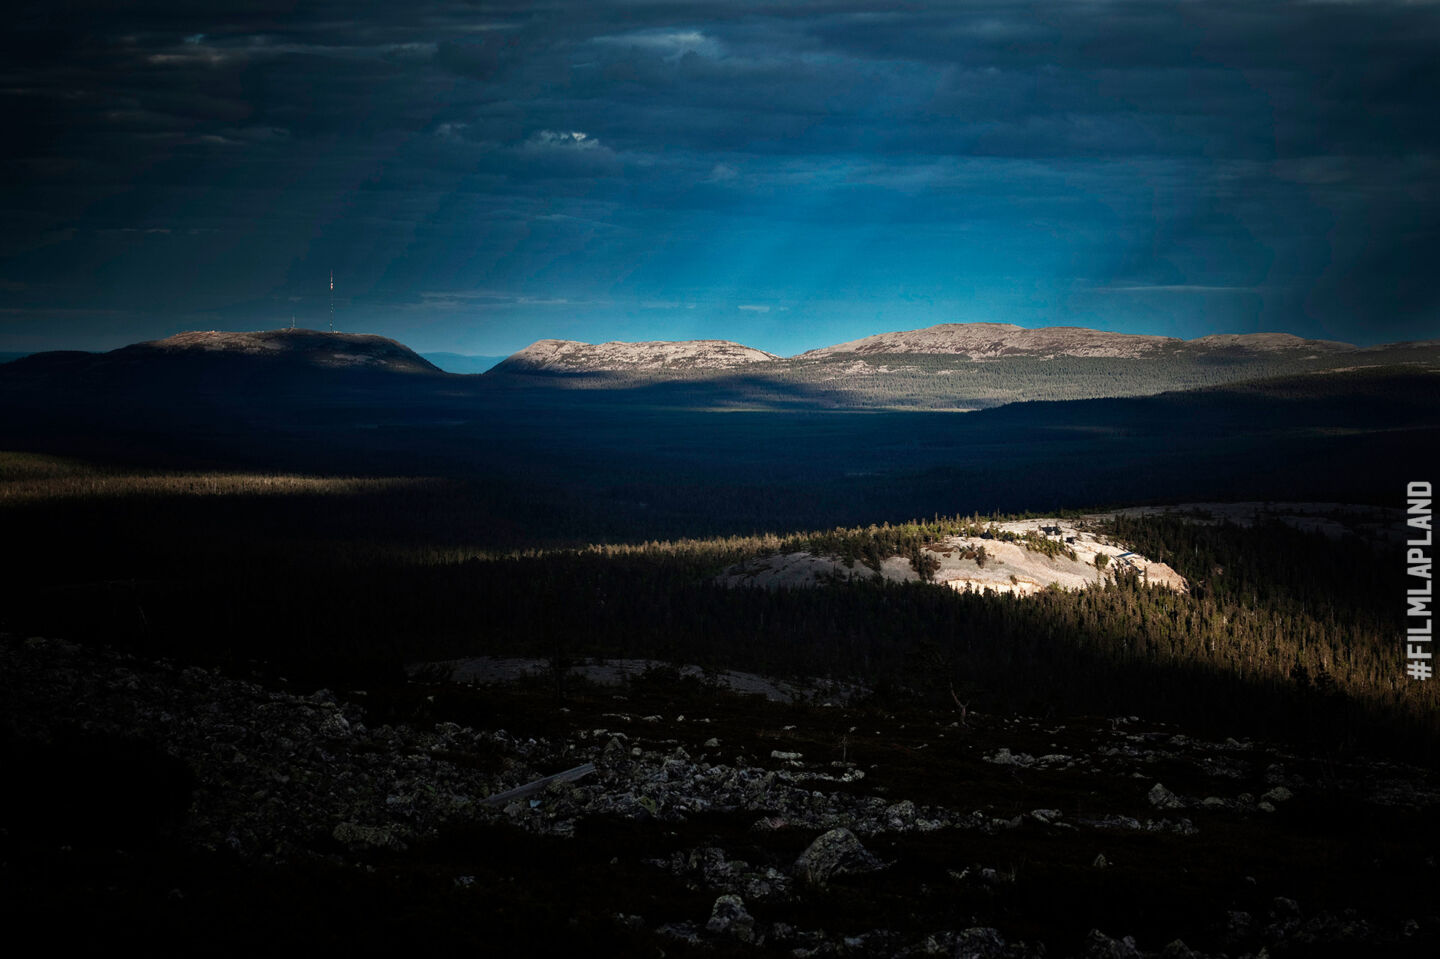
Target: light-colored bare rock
[[983, 341], [1006, 567], [571, 356]]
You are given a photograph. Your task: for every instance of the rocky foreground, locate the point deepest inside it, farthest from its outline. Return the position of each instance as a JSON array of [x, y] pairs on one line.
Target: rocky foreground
[[157, 798]]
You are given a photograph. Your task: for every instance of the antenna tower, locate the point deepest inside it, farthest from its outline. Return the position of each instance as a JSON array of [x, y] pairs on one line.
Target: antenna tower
[[332, 301]]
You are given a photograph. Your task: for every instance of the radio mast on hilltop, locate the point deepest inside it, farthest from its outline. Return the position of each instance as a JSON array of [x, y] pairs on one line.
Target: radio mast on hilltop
[[332, 301]]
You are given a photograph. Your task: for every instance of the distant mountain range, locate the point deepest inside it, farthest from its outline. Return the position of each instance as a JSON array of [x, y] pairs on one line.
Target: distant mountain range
[[465, 363], [950, 366], [990, 341], [971, 341], [661, 445], [955, 366]]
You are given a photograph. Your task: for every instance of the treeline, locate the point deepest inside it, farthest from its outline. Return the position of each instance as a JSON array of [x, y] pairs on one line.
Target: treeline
[[872, 545]]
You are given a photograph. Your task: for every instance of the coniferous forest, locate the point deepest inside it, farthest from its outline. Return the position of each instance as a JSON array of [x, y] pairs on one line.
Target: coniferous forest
[[174, 565]]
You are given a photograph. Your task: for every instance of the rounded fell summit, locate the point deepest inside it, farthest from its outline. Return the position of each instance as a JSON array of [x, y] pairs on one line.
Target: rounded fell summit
[[648, 358], [317, 348]]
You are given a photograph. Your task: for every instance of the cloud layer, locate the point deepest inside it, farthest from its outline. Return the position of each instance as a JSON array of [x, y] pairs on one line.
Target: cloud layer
[[482, 175]]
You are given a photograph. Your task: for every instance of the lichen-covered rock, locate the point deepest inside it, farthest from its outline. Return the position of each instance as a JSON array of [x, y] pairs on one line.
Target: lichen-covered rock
[[834, 853], [1100, 946], [360, 837], [978, 942], [900, 815], [729, 918]]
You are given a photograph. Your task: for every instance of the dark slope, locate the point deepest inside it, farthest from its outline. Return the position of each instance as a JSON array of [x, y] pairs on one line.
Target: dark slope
[[1365, 399], [582, 466], [237, 366], [203, 398]]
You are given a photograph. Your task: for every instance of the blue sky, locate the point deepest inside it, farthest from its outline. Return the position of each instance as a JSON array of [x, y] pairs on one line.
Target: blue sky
[[788, 175]]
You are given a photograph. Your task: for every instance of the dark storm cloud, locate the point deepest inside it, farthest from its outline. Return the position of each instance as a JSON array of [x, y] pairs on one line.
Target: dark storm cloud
[[1199, 166]]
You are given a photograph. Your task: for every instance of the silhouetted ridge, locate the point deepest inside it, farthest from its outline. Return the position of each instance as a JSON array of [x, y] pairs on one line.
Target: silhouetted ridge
[[344, 351], [203, 370]]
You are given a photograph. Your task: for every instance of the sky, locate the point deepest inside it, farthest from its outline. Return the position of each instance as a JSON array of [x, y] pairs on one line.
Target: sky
[[787, 175]]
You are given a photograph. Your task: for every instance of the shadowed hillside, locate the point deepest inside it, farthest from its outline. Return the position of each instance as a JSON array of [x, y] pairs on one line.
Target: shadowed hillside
[[244, 365]]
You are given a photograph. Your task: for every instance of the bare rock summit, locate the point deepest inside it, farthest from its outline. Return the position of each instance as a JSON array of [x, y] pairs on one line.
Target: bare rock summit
[[571, 356], [988, 341], [350, 351]]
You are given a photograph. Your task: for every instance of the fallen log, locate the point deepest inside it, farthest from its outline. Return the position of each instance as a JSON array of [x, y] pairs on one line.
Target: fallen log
[[530, 789]]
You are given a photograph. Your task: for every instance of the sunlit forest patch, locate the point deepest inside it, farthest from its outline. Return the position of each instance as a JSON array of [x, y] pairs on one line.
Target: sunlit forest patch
[[347, 579], [25, 476]]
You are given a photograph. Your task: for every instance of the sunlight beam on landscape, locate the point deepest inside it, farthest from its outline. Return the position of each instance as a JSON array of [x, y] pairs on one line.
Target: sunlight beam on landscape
[[30, 478]]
